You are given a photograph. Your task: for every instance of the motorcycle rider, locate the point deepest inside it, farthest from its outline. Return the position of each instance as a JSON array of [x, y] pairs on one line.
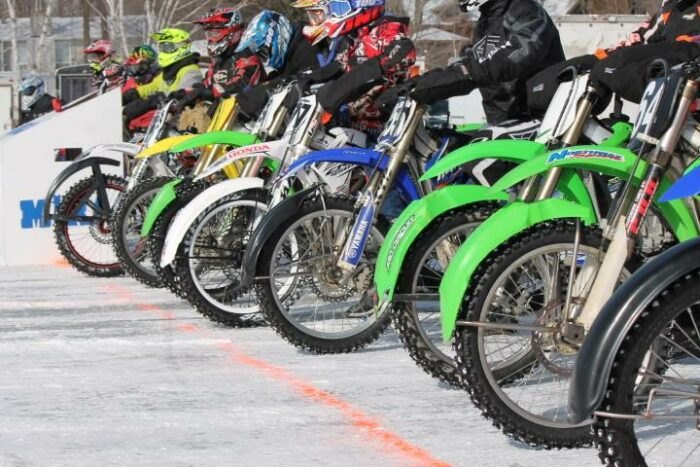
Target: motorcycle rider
[[35, 101], [101, 55], [672, 33], [669, 34], [369, 53], [512, 41], [229, 71], [140, 67], [179, 69]]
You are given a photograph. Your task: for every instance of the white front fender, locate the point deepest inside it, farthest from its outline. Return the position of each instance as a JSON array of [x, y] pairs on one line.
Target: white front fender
[[130, 149], [187, 215]]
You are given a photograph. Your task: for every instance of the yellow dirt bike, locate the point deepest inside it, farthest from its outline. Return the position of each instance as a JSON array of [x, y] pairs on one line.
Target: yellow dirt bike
[[127, 221]]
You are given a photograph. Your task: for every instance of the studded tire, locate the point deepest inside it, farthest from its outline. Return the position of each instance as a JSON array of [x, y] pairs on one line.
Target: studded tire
[[278, 320], [403, 315], [186, 282], [70, 201], [616, 439], [122, 214], [482, 393]]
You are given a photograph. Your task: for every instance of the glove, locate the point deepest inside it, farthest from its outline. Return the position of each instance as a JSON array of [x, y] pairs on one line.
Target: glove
[[395, 53], [442, 84], [188, 100], [387, 100], [252, 101]]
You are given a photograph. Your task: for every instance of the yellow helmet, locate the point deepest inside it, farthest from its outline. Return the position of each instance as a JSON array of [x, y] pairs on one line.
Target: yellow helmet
[[173, 45]]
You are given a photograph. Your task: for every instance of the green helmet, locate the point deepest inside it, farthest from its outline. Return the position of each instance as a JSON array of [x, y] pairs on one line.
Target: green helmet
[[173, 46]]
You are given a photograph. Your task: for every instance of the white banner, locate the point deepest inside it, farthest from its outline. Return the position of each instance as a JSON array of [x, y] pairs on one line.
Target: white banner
[[27, 168]]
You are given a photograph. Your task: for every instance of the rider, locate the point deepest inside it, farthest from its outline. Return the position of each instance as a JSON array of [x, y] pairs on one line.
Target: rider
[[179, 69], [141, 67], [230, 71], [672, 33], [35, 101], [367, 52], [512, 41], [668, 34], [100, 56]]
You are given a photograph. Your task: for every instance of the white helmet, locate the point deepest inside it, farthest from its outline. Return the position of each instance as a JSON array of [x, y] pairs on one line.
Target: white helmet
[[471, 5], [31, 89]]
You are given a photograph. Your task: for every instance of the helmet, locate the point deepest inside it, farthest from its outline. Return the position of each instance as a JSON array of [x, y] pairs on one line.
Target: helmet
[[99, 52], [223, 28], [173, 46], [335, 18], [471, 5], [31, 89], [141, 60], [268, 35]]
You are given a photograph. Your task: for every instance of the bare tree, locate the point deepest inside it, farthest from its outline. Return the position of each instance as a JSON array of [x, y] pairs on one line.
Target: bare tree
[[14, 52]]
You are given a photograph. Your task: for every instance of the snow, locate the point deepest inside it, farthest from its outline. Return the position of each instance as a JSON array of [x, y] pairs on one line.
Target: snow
[[107, 372]]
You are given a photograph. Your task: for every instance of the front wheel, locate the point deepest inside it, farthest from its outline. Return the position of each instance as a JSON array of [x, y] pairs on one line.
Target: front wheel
[[127, 221], [655, 384], [304, 294], [518, 375], [87, 243], [208, 264]]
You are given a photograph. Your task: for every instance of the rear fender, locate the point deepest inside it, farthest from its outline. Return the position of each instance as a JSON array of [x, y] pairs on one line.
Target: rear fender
[[503, 225], [228, 138], [597, 355], [187, 215], [160, 203], [163, 145], [517, 151], [276, 217], [413, 221], [89, 162], [272, 150]]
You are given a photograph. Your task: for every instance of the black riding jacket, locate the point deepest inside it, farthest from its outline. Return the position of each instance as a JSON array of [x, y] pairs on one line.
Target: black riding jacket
[[513, 40]]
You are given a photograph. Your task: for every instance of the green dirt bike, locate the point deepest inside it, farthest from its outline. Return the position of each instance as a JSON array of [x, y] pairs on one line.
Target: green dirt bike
[[421, 242], [521, 293]]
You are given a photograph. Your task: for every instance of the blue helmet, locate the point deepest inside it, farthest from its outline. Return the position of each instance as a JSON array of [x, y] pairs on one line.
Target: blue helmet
[[268, 35]]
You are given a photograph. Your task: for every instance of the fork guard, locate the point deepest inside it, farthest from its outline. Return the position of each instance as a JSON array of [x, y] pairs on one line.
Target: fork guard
[[597, 355]]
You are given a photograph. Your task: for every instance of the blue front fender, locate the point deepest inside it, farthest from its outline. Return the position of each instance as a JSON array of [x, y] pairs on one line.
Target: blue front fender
[[366, 158]]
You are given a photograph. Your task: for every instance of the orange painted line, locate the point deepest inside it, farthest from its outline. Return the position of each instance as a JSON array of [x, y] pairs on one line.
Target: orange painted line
[[358, 419]]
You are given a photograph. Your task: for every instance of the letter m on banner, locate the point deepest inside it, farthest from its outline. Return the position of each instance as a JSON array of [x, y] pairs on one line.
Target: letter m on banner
[[32, 213]]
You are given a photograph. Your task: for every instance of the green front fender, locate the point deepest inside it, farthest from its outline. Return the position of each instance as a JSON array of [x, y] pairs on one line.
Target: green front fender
[[160, 203], [617, 162], [498, 228], [509, 150], [229, 138], [413, 220]]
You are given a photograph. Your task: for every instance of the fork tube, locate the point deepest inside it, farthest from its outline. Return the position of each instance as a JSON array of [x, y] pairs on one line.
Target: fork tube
[[571, 138], [629, 222]]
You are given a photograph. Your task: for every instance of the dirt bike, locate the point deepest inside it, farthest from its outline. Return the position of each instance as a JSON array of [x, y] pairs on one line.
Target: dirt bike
[[128, 219], [299, 242], [524, 288], [205, 241], [423, 239], [81, 220], [639, 363]]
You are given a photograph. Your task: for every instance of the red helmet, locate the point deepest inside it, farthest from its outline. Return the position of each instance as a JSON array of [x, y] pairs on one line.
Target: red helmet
[[99, 51], [335, 18], [223, 28]]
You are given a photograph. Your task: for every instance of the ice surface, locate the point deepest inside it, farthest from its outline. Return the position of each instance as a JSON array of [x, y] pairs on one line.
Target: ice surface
[[97, 372]]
